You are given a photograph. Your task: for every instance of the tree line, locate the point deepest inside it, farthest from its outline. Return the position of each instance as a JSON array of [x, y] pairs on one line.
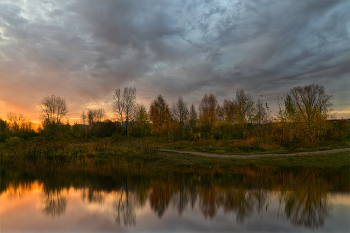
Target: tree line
[[301, 118]]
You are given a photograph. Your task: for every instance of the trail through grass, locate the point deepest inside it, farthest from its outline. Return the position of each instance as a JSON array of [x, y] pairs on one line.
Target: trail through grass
[[247, 156]]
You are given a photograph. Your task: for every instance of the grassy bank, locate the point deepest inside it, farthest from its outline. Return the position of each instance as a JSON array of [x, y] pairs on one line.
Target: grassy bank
[[144, 157], [181, 161], [242, 146]]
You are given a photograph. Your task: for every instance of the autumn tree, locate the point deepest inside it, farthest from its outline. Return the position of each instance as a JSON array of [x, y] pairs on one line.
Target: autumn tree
[[310, 103], [260, 112], [244, 104], [220, 115], [309, 107], [160, 115], [124, 103], [208, 112], [226, 116], [290, 110], [141, 126], [229, 111], [180, 111], [193, 117], [53, 109], [180, 119]]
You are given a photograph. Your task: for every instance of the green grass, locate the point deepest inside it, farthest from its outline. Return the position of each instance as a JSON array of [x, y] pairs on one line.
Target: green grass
[[239, 147], [176, 161]]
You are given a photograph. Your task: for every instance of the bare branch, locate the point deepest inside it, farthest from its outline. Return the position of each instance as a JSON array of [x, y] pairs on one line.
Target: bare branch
[[53, 108]]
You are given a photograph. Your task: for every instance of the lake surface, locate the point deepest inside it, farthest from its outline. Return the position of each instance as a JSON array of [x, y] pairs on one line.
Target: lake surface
[[249, 201]]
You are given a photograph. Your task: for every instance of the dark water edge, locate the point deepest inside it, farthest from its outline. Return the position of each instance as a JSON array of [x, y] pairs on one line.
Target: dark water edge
[[249, 199]]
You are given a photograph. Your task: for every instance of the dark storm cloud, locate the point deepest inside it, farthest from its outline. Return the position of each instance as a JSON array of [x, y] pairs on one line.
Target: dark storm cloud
[[83, 50]]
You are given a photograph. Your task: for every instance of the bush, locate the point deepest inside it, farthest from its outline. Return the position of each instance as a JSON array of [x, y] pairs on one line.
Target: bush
[[107, 128], [14, 141], [237, 135], [219, 135], [3, 137], [140, 130]]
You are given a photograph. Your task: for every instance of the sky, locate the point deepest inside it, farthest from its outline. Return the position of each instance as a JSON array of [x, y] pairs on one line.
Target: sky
[[84, 50]]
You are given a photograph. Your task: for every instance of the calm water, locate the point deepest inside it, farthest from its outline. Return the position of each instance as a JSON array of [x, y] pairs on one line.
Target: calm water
[[306, 201]]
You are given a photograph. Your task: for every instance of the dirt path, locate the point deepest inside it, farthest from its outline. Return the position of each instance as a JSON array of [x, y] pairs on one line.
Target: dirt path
[[248, 156]]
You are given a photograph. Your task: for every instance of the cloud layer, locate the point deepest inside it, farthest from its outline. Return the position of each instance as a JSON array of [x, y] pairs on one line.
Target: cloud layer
[[84, 50]]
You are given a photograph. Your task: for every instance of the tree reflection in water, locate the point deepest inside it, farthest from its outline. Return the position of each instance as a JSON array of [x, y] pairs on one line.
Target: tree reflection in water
[[208, 202], [307, 206], [211, 198], [241, 202], [261, 198], [93, 196], [180, 200], [125, 206], [54, 204], [232, 199], [303, 196], [160, 195]]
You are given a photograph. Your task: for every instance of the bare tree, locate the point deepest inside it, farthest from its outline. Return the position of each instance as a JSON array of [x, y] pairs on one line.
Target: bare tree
[[83, 118], [53, 108], [13, 116], [124, 103], [16, 120], [95, 115], [119, 104]]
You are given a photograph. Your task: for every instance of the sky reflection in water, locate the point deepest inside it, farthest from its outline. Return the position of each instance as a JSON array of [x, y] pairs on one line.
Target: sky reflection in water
[[187, 204]]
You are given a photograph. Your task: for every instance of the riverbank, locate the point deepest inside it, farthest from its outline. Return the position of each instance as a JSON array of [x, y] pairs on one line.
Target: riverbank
[[147, 157], [178, 161]]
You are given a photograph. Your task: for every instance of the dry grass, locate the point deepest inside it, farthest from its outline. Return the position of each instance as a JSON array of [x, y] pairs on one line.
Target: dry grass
[[225, 146]]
